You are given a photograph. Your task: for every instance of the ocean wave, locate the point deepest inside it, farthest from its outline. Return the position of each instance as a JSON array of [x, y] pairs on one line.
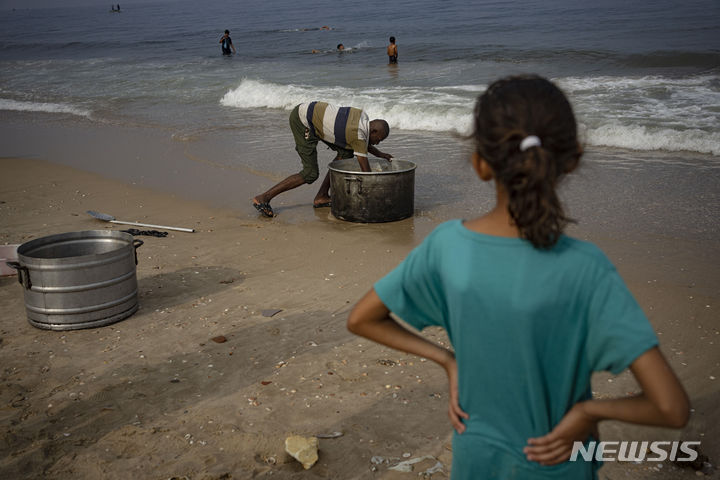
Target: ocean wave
[[7, 104], [407, 108], [635, 137], [649, 113]]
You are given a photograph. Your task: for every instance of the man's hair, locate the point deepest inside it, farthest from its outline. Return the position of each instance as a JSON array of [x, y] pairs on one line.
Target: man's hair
[[382, 126], [392, 39], [227, 31]]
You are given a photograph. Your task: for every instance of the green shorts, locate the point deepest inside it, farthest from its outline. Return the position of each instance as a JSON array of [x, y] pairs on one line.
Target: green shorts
[[306, 146]]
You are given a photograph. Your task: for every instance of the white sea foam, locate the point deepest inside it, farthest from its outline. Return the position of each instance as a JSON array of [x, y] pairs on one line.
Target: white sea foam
[[650, 113], [406, 108], [7, 104], [648, 138]]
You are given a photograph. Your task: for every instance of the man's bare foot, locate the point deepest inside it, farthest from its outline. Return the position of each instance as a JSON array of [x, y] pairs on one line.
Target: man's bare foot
[[321, 202]]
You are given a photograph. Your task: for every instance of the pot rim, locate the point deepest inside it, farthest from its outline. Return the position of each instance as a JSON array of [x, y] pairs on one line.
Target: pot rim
[[26, 258], [387, 172]]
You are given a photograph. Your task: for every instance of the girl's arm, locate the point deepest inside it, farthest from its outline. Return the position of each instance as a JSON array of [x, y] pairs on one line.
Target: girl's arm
[[663, 402], [371, 319]]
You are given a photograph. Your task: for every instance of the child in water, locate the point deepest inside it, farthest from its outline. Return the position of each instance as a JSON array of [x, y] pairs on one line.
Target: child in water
[[392, 51], [531, 313], [227, 44]]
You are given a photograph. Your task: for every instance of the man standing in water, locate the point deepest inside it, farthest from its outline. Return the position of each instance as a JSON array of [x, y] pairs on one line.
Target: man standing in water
[[346, 130], [227, 44]]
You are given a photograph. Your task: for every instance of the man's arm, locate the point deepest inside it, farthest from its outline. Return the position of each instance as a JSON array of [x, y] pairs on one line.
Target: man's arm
[[379, 154], [364, 164]]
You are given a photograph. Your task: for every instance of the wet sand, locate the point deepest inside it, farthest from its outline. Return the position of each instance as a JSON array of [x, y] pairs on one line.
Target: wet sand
[[154, 396]]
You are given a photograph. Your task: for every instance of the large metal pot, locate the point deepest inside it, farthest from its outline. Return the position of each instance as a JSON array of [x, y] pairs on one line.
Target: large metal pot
[[79, 279], [385, 194]]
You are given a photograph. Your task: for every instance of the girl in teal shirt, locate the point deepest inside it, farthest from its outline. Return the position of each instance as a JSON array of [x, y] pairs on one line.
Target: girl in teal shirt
[[531, 313]]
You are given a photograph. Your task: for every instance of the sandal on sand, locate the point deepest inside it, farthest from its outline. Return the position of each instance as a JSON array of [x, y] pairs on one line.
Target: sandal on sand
[[321, 205], [265, 209]]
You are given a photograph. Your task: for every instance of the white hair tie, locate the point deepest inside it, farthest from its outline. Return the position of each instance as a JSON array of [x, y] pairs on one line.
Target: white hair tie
[[529, 142]]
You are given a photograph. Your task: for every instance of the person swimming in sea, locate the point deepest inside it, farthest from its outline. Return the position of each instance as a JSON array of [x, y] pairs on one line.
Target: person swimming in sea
[[340, 49]]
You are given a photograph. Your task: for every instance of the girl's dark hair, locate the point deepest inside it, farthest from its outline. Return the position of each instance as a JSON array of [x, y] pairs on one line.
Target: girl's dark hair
[[510, 110]]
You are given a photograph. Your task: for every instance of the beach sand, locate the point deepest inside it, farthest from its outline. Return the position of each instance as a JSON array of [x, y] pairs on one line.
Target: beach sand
[[155, 397]]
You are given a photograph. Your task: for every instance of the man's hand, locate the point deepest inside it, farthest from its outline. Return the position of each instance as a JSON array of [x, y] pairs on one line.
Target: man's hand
[[379, 154], [556, 446]]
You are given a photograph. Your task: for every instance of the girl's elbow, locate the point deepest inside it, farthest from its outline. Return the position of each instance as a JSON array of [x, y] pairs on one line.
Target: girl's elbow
[[353, 321], [363, 313], [677, 414], [351, 326], [679, 417]]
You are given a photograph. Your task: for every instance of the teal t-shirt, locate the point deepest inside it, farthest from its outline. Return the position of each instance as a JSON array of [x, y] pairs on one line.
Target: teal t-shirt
[[528, 327]]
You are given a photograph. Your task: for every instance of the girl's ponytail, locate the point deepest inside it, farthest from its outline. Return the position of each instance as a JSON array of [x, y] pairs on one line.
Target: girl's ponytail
[[534, 205]]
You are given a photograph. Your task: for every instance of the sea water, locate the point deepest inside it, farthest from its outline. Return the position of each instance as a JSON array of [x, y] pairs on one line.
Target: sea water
[[643, 77]]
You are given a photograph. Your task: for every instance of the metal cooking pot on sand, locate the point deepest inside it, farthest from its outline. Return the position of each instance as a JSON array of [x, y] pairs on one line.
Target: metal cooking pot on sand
[[385, 194], [79, 279]]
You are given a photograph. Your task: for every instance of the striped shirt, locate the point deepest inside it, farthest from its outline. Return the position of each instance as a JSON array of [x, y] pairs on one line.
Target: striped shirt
[[346, 127]]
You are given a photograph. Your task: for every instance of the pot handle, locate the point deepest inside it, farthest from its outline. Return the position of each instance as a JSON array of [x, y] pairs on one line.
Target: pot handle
[[353, 179], [137, 243], [23, 274]]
